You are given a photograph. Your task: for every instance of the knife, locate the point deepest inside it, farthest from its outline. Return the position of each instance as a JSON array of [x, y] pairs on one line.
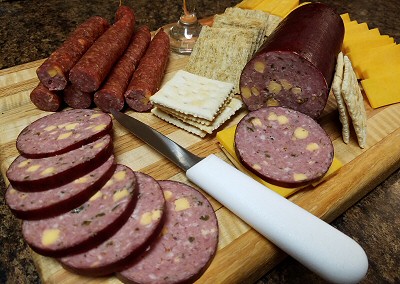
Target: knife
[[314, 243]]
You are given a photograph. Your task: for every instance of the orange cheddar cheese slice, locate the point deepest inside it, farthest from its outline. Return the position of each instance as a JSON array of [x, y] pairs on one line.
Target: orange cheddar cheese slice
[[345, 17], [387, 61], [248, 4], [285, 7], [382, 91]]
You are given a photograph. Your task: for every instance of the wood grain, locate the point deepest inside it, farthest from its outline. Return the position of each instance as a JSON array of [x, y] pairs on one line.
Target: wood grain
[[243, 255]]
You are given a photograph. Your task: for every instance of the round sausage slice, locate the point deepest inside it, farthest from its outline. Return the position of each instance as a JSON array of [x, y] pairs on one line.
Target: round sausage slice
[[48, 203], [27, 174], [142, 226], [283, 146], [61, 132], [187, 243], [89, 224]]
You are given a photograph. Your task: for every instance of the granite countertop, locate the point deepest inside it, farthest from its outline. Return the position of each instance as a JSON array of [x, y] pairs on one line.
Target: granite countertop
[[32, 29]]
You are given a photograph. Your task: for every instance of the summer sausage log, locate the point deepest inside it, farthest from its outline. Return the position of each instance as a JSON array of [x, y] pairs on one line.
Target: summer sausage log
[[54, 72], [111, 94], [44, 99], [89, 224], [295, 65], [128, 242], [76, 98], [186, 244], [59, 200], [148, 76], [91, 70], [27, 174], [61, 132], [283, 146]]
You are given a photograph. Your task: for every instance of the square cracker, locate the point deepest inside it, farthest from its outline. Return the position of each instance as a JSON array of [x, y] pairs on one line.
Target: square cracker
[[353, 98], [337, 92], [171, 119], [221, 54], [193, 94], [199, 128]]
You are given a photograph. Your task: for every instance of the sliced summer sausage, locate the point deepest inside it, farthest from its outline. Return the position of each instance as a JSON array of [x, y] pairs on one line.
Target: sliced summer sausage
[[61, 132], [111, 93], [44, 99], [53, 73], [283, 146], [295, 65], [148, 76], [186, 245], [27, 174], [91, 70], [89, 224], [128, 242], [48, 203]]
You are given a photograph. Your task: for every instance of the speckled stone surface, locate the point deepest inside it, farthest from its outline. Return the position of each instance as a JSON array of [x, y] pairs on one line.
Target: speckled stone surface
[[32, 29]]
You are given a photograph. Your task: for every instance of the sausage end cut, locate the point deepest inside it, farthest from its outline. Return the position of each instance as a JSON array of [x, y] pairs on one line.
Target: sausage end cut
[[295, 66]]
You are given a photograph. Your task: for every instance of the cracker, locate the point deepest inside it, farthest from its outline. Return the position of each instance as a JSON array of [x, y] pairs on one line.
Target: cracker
[[256, 26], [255, 14], [353, 98], [226, 113], [193, 94], [221, 54], [273, 22], [337, 92], [170, 119]]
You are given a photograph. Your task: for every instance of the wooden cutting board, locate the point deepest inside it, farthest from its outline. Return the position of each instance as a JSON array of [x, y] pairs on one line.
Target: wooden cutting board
[[243, 255]]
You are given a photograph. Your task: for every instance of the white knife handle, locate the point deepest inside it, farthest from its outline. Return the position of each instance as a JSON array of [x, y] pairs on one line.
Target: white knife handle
[[314, 243]]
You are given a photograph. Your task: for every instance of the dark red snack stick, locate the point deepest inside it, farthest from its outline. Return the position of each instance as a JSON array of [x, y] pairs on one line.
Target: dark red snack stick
[[111, 94], [148, 76], [53, 73], [76, 98], [91, 70], [46, 100], [295, 65]]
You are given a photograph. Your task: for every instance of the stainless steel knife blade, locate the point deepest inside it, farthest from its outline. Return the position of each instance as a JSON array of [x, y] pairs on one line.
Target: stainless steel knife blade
[[314, 243], [161, 143]]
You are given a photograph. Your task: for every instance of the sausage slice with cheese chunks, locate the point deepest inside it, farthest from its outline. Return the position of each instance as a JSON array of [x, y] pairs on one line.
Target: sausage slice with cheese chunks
[[27, 174], [128, 242], [89, 224], [187, 243], [283, 146], [52, 202], [61, 132]]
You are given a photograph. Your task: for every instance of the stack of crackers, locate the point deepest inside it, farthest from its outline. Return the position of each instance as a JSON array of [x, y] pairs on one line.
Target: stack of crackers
[[222, 51], [349, 100], [194, 103]]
